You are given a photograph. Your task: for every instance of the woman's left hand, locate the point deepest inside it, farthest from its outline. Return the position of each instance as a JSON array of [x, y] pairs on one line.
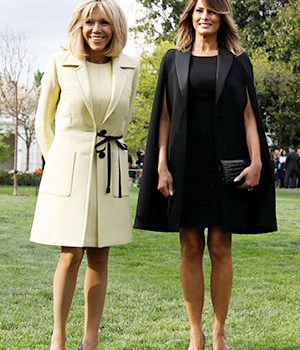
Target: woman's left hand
[[251, 176]]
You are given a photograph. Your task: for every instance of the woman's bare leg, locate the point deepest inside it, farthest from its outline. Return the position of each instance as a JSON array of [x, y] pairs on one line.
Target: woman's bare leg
[[219, 245], [192, 243], [64, 284], [95, 291]]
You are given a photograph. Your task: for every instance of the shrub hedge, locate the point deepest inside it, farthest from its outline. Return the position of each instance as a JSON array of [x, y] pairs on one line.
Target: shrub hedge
[[24, 178]]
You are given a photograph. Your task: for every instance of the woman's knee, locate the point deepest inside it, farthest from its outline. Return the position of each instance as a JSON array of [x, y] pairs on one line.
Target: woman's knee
[[219, 245], [97, 256], [192, 243], [71, 258]]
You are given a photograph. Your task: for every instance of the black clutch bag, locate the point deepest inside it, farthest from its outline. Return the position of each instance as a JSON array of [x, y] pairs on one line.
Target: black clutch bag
[[230, 169]]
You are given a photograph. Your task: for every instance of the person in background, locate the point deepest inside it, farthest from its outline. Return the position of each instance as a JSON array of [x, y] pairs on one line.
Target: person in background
[[281, 167], [291, 168], [132, 173], [275, 165], [140, 158], [205, 110], [88, 90], [140, 164]]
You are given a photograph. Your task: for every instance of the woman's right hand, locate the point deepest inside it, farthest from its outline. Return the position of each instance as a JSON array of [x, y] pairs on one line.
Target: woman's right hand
[[165, 183]]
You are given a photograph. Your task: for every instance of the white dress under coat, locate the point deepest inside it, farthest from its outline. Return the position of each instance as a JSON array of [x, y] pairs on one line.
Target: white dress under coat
[[83, 198]]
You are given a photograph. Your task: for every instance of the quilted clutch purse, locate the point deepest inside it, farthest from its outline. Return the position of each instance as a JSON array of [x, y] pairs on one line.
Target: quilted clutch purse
[[230, 169]]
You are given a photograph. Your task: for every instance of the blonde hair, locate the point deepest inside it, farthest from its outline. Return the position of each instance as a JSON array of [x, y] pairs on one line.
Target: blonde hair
[[114, 14], [227, 34]]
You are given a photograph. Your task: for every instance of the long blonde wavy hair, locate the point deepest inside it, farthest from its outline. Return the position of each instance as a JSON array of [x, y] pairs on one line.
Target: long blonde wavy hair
[[227, 34], [115, 16]]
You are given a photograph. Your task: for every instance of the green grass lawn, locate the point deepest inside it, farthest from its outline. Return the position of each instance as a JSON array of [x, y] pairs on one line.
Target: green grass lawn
[[144, 308]]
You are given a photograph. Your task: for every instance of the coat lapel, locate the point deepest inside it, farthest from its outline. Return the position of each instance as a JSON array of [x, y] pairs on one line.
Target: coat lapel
[[120, 65], [224, 63], [182, 64], [82, 78], [118, 81]]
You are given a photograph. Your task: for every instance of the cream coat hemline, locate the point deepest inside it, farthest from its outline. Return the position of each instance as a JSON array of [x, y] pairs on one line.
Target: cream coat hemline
[[56, 244]]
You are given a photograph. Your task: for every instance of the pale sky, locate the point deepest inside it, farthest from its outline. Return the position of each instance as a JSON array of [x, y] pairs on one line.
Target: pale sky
[[45, 24]]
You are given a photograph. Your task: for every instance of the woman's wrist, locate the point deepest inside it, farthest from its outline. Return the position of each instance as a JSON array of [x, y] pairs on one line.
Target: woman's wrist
[[256, 163], [163, 167]]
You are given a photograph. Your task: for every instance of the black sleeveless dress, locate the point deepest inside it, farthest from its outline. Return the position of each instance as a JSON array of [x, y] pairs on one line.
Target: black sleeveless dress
[[200, 191]]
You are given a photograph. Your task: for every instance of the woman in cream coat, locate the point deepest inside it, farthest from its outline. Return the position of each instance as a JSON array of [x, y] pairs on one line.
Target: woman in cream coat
[[83, 114]]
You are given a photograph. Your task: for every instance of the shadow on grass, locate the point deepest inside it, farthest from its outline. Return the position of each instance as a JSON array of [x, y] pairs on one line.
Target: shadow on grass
[[258, 346], [291, 347]]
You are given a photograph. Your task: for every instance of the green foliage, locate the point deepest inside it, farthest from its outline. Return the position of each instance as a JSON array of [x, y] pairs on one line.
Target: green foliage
[[24, 178], [38, 75], [278, 93], [160, 20], [150, 63], [6, 177], [283, 39], [4, 150], [28, 179], [144, 307], [277, 74], [254, 20]]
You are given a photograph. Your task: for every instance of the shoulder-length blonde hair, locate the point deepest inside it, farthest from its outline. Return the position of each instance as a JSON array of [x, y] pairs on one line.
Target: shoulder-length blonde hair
[[227, 34], [114, 14]]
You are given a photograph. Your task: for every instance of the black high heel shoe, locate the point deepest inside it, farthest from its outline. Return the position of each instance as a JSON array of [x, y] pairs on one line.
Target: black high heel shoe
[[80, 347]]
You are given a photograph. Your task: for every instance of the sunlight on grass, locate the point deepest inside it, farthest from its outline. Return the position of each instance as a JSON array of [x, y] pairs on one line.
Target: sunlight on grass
[[144, 307]]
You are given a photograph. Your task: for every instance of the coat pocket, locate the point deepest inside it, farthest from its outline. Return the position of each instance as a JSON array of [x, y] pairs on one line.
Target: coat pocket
[[58, 174], [120, 177]]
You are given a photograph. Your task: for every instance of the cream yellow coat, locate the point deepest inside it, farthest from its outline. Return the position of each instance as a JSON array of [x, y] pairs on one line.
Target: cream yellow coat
[[72, 201]]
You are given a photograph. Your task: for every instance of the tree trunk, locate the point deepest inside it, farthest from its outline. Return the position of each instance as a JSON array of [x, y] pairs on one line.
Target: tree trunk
[[27, 156], [15, 193]]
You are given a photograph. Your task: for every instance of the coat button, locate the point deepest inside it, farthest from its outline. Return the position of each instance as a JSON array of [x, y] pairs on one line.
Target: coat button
[[101, 154]]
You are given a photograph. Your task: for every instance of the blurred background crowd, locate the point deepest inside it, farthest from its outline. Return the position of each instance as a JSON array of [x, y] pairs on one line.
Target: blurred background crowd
[[286, 166]]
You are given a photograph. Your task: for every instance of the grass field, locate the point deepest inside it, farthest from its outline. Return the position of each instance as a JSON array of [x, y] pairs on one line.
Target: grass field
[[144, 308]]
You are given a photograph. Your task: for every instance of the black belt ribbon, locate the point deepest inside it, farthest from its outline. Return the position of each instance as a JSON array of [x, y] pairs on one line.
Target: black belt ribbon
[[101, 154]]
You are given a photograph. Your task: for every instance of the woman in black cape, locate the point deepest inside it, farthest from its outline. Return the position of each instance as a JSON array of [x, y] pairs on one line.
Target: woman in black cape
[[205, 110]]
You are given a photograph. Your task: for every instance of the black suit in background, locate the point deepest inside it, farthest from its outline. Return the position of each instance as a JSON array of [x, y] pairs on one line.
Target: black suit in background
[[291, 169]]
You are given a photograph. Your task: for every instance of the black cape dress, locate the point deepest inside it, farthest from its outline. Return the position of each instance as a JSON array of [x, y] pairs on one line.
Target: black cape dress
[[239, 211]]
